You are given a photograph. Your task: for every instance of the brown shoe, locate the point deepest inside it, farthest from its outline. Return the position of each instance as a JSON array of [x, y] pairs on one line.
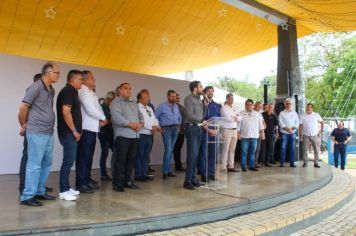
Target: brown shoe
[[232, 170]]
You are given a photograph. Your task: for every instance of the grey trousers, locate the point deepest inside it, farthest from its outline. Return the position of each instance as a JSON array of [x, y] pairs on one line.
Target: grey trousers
[[313, 140]]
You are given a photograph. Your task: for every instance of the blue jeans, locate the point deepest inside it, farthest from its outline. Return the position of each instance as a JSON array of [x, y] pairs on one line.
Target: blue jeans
[[193, 134], [340, 149], [86, 147], [70, 152], [288, 139], [206, 161], [143, 155], [169, 139], [39, 163], [106, 143], [248, 147]]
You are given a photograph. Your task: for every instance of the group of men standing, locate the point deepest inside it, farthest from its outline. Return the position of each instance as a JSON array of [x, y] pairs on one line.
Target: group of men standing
[[128, 127]]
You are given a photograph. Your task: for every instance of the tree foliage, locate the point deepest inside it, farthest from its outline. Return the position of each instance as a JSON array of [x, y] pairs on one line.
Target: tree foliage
[[247, 89], [329, 69], [328, 66]]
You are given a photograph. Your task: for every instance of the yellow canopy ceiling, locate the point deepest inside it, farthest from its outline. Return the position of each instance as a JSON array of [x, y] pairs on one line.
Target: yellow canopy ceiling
[[154, 36]]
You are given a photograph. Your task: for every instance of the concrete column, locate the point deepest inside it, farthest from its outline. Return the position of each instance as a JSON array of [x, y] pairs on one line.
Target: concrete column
[[289, 81]]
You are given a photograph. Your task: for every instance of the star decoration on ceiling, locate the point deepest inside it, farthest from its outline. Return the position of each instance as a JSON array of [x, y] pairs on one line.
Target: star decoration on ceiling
[[222, 12], [258, 26], [215, 51], [164, 40], [284, 26], [50, 13], [120, 29]]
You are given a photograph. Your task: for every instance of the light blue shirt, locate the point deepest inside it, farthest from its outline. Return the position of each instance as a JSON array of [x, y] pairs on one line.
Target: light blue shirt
[[168, 114]]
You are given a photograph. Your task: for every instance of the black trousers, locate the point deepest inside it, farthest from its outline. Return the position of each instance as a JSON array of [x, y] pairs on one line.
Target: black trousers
[[123, 158], [177, 151], [267, 149], [23, 164]]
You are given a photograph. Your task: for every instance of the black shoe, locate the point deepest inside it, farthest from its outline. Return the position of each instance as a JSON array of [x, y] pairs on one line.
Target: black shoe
[[150, 170], [316, 166], [232, 170], [45, 197], [268, 165], [196, 183], [118, 188], [305, 165], [281, 165], [180, 169], [31, 202], [141, 179], [164, 176], [131, 186], [48, 189], [188, 186], [212, 177], [93, 186], [149, 178], [93, 181], [342, 168], [336, 166], [253, 169], [258, 166], [203, 179], [85, 189], [170, 174], [243, 169], [106, 178], [293, 166], [273, 162]]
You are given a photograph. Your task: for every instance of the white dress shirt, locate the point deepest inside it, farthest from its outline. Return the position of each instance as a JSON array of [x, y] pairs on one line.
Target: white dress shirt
[[149, 119], [231, 112], [92, 112], [288, 119], [310, 123], [251, 124]]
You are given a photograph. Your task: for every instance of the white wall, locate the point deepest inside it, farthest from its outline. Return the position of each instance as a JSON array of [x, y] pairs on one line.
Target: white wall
[[16, 75]]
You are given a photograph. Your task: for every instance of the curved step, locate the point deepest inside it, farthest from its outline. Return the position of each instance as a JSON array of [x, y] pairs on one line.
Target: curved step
[[285, 218]]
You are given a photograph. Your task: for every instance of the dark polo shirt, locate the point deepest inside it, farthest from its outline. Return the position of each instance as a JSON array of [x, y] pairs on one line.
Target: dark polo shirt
[[340, 134], [41, 116], [271, 122], [68, 96]]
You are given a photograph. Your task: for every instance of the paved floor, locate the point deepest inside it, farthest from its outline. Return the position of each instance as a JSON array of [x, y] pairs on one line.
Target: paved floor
[[343, 222], [289, 213], [155, 198]]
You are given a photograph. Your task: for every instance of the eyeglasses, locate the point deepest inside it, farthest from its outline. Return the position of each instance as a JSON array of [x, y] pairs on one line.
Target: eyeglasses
[[55, 72], [288, 103], [149, 113]]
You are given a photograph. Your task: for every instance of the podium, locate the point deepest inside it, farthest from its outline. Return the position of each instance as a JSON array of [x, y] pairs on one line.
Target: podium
[[212, 143]]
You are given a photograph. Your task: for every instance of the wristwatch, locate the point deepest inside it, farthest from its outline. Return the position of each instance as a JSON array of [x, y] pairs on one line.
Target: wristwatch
[[74, 130]]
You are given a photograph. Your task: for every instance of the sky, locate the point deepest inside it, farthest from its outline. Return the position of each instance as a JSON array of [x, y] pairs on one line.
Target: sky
[[255, 67]]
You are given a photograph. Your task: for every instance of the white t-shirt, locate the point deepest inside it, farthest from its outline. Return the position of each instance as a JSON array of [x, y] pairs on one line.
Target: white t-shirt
[[288, 119], [149, 119], [92, 112], [310, 123], [230, 112], [251, 124]]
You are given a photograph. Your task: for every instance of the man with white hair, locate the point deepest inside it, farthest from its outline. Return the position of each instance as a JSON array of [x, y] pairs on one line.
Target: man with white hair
[[288, 123]]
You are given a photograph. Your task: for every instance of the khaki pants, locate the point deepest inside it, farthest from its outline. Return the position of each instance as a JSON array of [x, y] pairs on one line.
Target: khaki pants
[[313, 140], [228, 148]]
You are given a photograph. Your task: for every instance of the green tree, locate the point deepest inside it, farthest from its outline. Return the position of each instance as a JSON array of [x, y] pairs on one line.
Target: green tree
[[329, 69]]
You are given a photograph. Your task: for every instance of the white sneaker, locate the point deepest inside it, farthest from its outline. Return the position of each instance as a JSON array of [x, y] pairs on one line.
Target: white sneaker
[[67, 196], [74, 192]]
